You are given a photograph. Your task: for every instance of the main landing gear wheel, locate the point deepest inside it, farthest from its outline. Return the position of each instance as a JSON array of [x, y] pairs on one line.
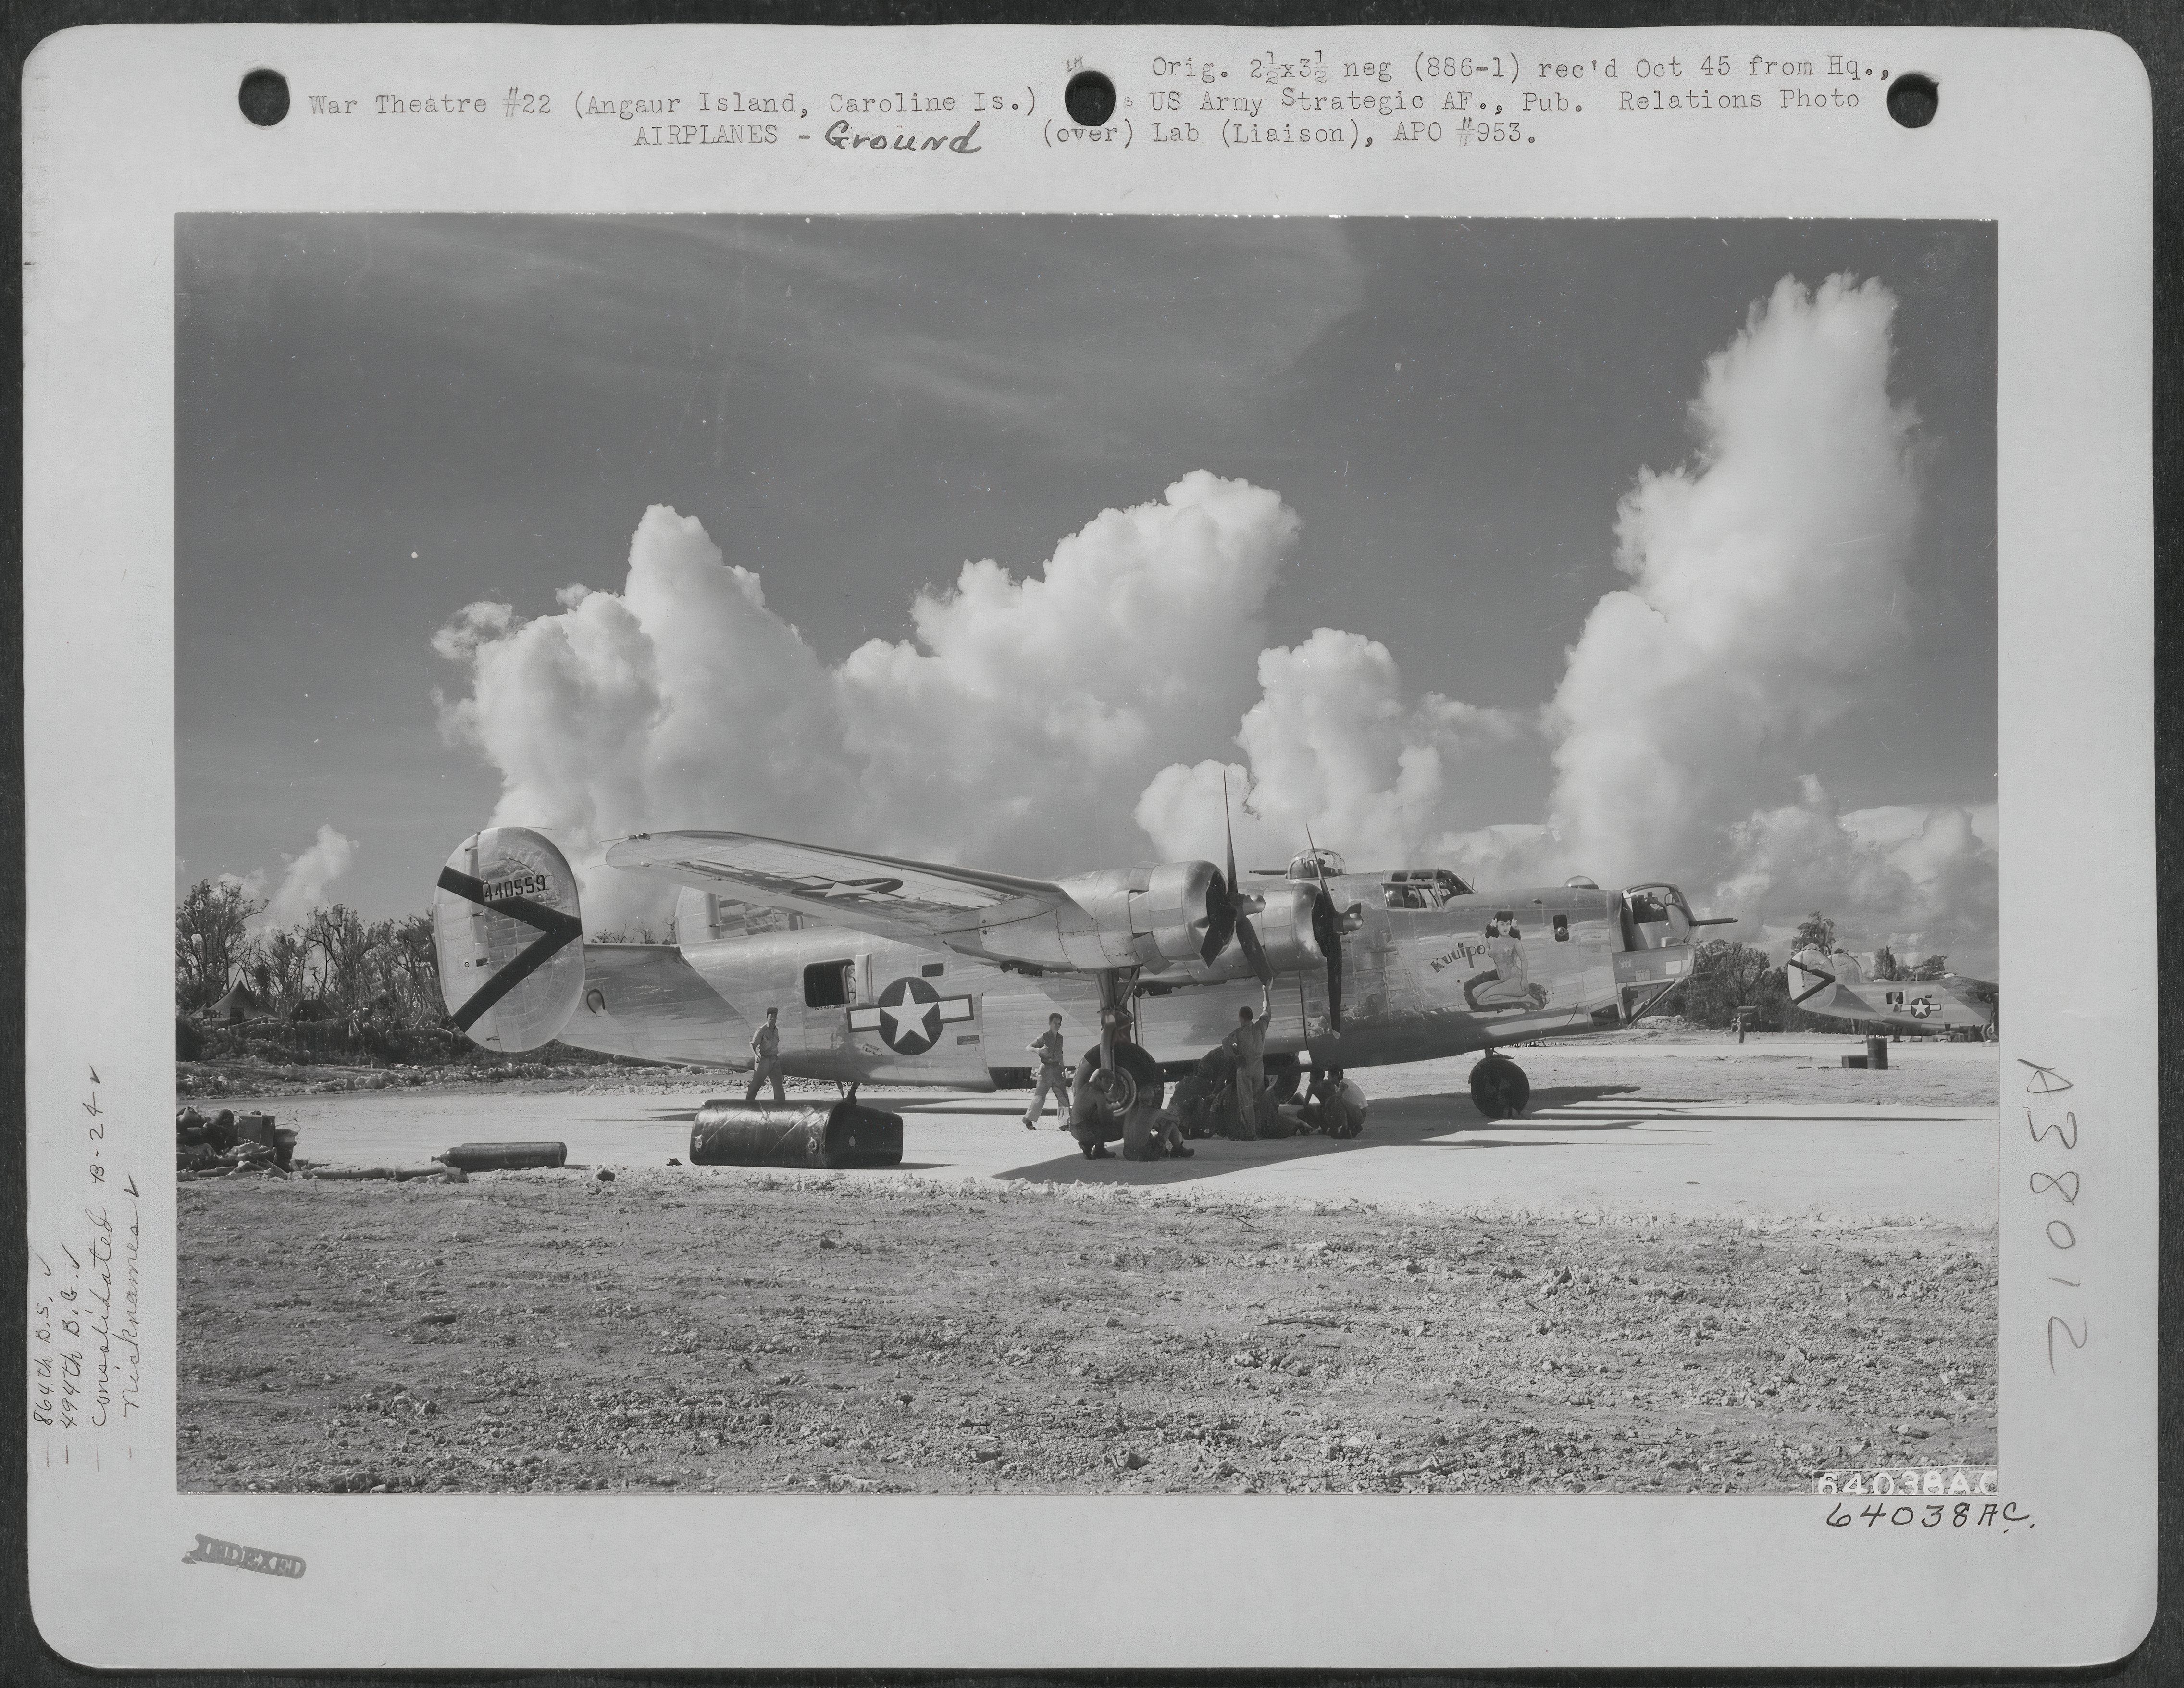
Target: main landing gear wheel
[[1499, 1087], [1135, 1078], [1284, 1076]]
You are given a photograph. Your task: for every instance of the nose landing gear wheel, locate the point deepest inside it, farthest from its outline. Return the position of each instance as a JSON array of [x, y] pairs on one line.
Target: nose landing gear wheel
[[1499, 1088]]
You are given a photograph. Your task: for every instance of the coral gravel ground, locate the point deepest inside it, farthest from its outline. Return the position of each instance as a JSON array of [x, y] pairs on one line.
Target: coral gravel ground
[[686, 1329]]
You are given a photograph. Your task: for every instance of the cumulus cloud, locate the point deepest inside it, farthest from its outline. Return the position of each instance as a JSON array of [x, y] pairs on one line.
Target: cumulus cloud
[[1333, 749], [1015, 729], [1026, 715], [1062, 718], [303, 882], [680, 701], [1767, 586], [1767, 581], [1920, 879]]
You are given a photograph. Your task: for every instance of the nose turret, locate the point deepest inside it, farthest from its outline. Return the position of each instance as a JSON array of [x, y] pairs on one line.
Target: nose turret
[[1656, 917]]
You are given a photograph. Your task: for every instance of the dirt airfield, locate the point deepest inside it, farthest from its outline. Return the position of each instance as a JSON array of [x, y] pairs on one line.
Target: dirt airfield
[[1000, 1316]]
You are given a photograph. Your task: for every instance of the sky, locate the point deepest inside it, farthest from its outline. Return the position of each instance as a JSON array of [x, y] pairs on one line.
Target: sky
[[1521, 544]]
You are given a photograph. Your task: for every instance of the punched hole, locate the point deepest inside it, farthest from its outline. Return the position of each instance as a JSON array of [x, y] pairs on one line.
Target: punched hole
[[1912, 99], [263, 98], [1090, 99]]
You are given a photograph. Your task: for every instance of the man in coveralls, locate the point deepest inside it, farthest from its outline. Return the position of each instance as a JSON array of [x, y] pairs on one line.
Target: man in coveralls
[[1053, 1075], [1248, 1044], [765, 1059]]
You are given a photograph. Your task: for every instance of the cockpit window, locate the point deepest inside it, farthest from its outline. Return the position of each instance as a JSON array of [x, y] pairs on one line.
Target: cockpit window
[[1422, 887]]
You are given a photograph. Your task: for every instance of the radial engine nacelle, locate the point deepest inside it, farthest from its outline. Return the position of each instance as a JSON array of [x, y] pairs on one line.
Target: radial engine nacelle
[[1179, 915], [1299, 927], [1148, 917]]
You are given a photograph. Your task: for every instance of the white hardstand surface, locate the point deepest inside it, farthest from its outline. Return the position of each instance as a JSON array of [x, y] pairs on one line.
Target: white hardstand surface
[[1589, 1142]]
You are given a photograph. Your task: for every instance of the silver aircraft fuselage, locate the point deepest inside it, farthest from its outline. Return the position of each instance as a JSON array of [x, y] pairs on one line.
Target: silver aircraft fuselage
[[1425, 975]]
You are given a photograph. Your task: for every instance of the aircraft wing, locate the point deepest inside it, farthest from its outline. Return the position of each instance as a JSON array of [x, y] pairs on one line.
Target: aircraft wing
[[913, 902]]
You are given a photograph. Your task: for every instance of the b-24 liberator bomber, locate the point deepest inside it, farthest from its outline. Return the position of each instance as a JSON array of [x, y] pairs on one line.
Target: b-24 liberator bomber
[[1836, 984], [911, 972]]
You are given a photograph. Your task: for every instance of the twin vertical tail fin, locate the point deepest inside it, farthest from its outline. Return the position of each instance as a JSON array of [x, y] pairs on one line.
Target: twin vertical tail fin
[[1807, 974], [510, 934]]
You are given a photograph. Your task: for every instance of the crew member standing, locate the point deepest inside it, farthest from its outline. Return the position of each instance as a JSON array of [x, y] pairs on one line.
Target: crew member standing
[[1248, 1044], [765, 1059], [1053, 1075]]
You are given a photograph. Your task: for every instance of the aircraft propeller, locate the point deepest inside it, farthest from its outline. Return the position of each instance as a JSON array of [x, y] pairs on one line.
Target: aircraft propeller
[[1230, 908], [1327, 931]]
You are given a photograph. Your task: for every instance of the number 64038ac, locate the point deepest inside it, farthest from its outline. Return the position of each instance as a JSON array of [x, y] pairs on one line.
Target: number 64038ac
[[1933, 1515], [1931, 1480]]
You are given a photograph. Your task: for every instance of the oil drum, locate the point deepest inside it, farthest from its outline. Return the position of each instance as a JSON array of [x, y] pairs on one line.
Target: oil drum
[[845, 1133]]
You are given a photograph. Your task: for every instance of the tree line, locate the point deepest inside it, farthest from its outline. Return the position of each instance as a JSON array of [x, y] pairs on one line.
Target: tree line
[[333, 964]]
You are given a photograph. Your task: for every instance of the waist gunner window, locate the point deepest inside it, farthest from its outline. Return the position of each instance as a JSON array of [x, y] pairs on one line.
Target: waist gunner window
[[827, 984]]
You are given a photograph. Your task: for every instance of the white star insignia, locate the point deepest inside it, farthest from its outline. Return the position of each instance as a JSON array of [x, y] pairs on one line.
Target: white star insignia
[[922, 1018]]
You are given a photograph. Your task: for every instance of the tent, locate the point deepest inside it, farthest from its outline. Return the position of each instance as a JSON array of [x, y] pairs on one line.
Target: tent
[[237, 1005]]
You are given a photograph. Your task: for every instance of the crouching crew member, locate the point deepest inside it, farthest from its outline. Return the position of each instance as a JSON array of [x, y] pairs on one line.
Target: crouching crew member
[[1154, 1134], [1333, 1104], [1095, 1114], [1053, 1076], [765, 1059]]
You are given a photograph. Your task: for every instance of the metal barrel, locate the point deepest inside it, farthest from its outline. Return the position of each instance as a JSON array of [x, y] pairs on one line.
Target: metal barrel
[[729, 1133], [1876, 1054], [504, 1157]]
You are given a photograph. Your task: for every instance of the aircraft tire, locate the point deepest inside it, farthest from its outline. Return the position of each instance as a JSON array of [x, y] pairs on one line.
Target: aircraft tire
[[1499, 1088], [1143, 1071], [1285, 1077], [1990, 1032]]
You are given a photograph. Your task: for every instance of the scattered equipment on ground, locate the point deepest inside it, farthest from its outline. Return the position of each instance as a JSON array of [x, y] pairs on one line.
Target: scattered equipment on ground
[[218, 1145], [504, 1157], [397, 1174], [845, 1133]]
